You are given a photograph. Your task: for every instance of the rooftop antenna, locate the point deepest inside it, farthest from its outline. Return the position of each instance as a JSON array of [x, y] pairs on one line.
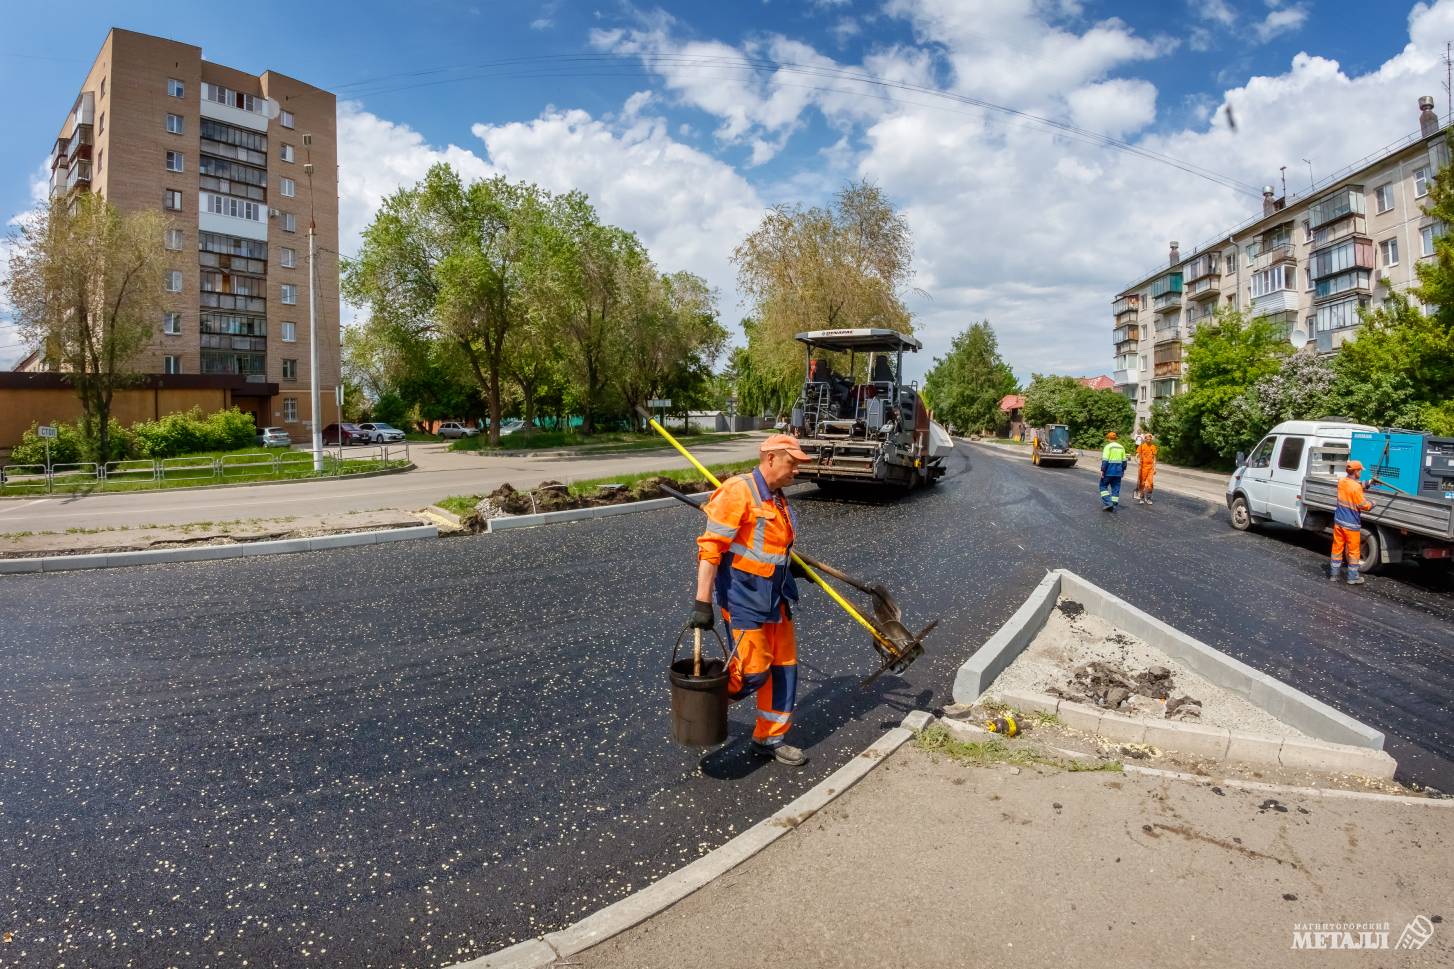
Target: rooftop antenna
[[1310, 173], [1283, 169], [1448, 79]]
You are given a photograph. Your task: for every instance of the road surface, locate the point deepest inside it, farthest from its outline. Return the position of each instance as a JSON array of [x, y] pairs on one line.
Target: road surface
[[410, 755]]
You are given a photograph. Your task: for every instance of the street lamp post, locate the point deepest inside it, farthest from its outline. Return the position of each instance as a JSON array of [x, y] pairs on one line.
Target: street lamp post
[[313, 315]]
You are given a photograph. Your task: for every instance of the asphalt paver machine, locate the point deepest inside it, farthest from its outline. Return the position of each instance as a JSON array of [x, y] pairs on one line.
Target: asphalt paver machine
[[866, 426]]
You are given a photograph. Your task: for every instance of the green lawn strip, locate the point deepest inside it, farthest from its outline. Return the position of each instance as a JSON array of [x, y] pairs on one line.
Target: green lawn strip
[[604, 443], [67, 484], [938, 740], [463, 504]]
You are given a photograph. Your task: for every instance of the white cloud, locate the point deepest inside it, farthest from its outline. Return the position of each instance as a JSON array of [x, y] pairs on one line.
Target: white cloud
[[11, 350], [1280, 20], [1215, 11], [1115, 108]]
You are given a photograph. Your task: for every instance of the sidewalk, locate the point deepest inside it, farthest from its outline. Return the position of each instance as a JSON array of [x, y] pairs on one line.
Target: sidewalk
[[1206, 485], [932, 862]]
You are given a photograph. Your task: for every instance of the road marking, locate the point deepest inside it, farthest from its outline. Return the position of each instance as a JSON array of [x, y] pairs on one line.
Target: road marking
[[38, 501]]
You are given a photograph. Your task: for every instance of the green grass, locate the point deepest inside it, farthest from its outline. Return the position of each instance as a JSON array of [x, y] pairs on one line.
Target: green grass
[[461, 504], [938, 740], [606, 442], [74, 484], [419, 437]]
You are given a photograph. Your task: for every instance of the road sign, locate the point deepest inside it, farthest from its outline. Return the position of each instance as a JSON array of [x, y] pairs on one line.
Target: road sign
[[46, 430], [659, 403]]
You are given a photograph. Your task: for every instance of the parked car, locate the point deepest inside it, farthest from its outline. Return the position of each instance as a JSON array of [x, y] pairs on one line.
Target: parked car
[[274, 437], [381, 433], [456, 429], [351, 434], [510, 425]]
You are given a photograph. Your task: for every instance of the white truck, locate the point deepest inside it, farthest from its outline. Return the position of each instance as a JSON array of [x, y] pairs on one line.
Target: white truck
[[1291, 478]]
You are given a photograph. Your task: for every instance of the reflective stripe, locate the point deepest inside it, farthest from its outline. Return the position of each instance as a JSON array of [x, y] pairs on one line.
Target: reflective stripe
[[753, 555], [775, 717], [726, 531]]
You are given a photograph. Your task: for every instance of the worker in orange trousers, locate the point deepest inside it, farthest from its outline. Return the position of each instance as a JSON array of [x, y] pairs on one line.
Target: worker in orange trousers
[[1145, 469], [1348, 524]]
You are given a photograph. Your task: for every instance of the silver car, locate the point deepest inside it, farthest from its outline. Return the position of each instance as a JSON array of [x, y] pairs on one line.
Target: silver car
[[381, 433], [274, 437], [456, 429]]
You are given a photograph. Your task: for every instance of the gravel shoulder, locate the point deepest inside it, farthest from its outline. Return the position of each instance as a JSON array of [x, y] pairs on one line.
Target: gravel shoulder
[[931, 862]]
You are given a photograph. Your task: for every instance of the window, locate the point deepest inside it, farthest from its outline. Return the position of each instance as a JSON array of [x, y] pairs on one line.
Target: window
[[1262, 454], [172, 200], [290, 408], [1291, 455], [286, 119], [1143, 391], [1354, 253], [100, 159], [101, 124], [233, 99], [174, 280], [1307, 231], [1421, 182], [287, 152], [289, 188], [290, 222], [1271, 280], [290, 332], [174, 161], [290, 370], [233, 207], [175, 240], [1383, 197], [176, 88], [1336, 316], [1308, 277], [171, 364], [290, 294], [174, 123], [172, 324], [287, 258], [1388, 252], [103, 87], [1427, 235]]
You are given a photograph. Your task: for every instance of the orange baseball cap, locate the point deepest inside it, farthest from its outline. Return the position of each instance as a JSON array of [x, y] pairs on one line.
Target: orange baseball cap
[[784, 442], [1355, 465]]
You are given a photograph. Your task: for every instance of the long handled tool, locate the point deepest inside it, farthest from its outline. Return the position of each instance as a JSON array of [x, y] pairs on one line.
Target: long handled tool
[[897, 647]]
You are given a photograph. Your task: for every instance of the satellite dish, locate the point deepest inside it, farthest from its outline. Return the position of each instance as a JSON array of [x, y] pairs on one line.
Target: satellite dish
[[1299, 337], [271, 108]]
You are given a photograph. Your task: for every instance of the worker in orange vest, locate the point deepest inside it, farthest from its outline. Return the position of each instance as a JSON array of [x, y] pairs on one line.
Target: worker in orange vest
[[743, 557], [1145, 468], [1348, 524]]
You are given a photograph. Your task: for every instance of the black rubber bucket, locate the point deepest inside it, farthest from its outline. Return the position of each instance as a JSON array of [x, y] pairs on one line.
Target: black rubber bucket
[[698, 695]]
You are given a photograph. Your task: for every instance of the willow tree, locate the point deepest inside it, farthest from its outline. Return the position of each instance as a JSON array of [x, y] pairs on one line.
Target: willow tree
[[88, 288], [846, 265]]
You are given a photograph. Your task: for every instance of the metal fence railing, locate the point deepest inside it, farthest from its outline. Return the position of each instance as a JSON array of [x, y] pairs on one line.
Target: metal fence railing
[[149, 473]]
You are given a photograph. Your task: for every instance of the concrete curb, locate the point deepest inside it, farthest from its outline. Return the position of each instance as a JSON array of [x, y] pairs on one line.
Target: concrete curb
[[507, 522], [234, 484], [1311, 716], [640, 906], [207, 553], [1214, 743]]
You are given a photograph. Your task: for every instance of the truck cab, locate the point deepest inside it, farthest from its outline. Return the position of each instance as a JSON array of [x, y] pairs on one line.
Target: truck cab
[[1267, 487]]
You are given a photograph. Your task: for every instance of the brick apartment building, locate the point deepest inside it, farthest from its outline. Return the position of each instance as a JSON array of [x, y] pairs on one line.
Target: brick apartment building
[[221, 153], [1308, 261]]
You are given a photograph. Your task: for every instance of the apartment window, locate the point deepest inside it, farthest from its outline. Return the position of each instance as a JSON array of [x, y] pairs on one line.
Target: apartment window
[[286, 119], [1383, 197], [1421, 182], [174, 280], [1336, 316], [174, 161], [289, 188], [1143, 391], [1426, 237], [290, 409], [287, 258], [290, 370], [103, 87], [290, 222], [172, 200], [1143, 362], [1307, 231], [174, 123], [1388, 252], [1308, 275], [172, 324], [1272, 280], [176, 88], [171, 364], [100, 159], [101, 124], [290, 294], [234, 207], [175, 240], [287, 152], [290, 332]]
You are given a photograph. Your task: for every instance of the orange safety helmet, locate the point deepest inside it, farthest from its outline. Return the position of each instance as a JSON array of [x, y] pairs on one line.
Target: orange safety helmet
[[1355, 466]]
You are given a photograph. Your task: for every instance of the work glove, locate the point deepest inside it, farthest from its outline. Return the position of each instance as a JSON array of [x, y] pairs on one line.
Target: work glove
[[701, 615], [797, 571]]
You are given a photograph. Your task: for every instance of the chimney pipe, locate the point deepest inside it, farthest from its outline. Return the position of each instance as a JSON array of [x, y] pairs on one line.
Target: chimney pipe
[[1175, 253], [1428, 117]]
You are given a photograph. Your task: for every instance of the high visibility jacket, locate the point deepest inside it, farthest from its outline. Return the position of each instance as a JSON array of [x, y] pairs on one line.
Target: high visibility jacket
[[749, 532], [1351, 503], [1113, 460]]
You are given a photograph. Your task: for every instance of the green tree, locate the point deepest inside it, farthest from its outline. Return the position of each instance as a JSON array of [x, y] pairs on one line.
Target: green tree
[[669, 339], [965, 386], [88, 290], [1087, 412], [1399, 369]]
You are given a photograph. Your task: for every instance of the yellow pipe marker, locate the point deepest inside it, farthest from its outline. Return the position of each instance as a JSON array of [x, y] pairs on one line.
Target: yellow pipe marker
[[832, 592]]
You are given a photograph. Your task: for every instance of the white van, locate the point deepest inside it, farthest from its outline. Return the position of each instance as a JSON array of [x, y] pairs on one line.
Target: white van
[[1268, 486]]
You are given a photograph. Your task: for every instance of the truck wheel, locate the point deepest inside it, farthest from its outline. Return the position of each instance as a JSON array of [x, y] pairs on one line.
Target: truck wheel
[[1368, 559], [1241, 514]]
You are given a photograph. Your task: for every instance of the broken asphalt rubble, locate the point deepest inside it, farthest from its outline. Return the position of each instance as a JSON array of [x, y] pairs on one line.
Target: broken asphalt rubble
[[1109, 685]]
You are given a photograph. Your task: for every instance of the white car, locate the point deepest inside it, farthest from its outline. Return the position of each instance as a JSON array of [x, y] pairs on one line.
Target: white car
[[456, 429], [274, 437], [381, 433], [510, 425]]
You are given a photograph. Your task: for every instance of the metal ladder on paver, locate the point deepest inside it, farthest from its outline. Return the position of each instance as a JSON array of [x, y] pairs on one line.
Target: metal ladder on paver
[[817, 403]]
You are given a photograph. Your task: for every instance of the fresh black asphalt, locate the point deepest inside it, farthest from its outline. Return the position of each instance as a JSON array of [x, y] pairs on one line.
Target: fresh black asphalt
[[411, 755]]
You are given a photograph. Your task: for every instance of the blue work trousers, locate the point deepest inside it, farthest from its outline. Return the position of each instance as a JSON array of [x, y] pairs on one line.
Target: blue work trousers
[[1111, 490]]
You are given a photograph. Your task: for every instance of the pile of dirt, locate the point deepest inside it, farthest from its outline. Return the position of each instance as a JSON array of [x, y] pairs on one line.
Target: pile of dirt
[[557, 496], [1109, 685]]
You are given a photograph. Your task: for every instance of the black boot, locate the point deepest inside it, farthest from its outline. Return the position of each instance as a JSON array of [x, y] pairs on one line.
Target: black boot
[[782, 753]]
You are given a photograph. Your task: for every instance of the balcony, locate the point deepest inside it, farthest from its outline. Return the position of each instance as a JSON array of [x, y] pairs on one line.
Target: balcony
[[1347, 201], [1269, 256], [1277, 301], [1208, 287], [79, 175], [1162, 389], [1167, 334], [1123, 377], [1171, 368], [1347, 255], [1167, 302], [1350, 225], [1126, 304], [1356, 282], [58, 158], [80, 144], [1207, 264], [1129, 331], [1127, 346]]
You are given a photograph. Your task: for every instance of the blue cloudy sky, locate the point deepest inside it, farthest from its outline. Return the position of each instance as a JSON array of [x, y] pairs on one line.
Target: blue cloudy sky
[[684, 121]]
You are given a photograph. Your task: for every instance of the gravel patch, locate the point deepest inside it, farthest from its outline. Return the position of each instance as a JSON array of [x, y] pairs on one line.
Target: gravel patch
[[1072, 637]]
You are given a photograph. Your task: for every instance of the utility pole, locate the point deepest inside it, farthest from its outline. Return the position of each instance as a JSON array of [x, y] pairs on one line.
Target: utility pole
[[313, 312]]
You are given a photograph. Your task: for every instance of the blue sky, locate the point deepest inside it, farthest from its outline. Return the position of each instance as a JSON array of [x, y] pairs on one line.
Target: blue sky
[[1012, 222]]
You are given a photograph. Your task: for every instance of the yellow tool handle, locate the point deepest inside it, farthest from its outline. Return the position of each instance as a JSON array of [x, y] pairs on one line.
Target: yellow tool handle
[[832, 592]]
